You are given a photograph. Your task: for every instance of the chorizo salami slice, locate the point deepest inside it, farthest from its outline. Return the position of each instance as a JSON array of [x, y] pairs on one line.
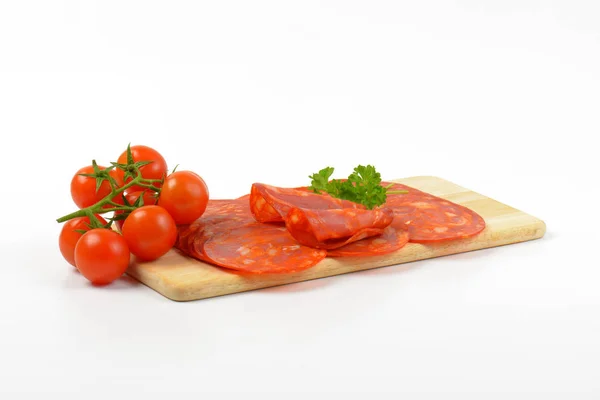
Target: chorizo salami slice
[[429, 218], [260, 208], [260, 248], [219, 215], [211, 228], [317, 220], [329, 229], [393, 238], [227, 235], [271, 204], [183, 233]]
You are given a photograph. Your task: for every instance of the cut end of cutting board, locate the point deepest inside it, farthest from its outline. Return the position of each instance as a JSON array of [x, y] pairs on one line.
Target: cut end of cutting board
[[181, 278]]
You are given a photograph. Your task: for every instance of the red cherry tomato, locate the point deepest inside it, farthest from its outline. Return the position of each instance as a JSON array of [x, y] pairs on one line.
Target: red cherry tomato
[[150, 232], [69, 237], [185, 196], [83, 188], [157, 169], [149, 198], [102, 255]]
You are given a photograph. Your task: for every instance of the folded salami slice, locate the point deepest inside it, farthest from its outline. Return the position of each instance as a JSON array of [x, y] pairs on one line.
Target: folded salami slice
[[330, 229], [271, 204], [430, 218], [393, 238], [317, 220]]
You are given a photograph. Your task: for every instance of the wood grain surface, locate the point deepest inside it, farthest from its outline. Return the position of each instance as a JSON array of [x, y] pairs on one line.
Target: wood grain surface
[[182, 278]]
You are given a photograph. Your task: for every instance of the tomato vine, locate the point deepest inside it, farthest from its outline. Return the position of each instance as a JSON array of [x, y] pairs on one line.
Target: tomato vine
[[131, 169]]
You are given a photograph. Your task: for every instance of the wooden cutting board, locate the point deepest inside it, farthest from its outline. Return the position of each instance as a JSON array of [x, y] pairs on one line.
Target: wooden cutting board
[[182, 278]]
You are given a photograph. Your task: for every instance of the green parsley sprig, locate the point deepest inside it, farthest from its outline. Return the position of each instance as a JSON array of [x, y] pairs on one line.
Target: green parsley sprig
[[363, 186]]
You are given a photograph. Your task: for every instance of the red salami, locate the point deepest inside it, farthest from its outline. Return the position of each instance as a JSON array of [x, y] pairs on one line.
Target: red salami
[[262, 211], [184, 232], [276, 230], [260, 248], [271, 204], [329, 229], [225, 213], [229, 223], [432, 219], [393, 238], [317, 220]]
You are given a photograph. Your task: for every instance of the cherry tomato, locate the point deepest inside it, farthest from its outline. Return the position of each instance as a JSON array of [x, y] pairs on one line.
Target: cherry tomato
[[149, 197], [69, 237], [157, 169], [184, 195], [102, 255], [150, 232], [83, 188]]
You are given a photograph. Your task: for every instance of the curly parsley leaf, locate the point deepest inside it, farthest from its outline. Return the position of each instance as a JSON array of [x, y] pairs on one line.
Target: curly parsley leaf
[[363, 186], [320, 180]]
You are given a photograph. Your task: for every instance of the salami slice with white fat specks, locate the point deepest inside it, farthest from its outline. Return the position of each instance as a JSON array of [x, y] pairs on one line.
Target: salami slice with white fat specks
[[271, 204], [260, 248], [393, 238], [330, 229], [263, 248], [429, 218], [219, 215], [317, 220]]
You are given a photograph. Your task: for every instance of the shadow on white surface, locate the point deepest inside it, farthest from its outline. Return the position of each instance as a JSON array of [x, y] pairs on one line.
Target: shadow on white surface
[[74, 280], [321, 283]]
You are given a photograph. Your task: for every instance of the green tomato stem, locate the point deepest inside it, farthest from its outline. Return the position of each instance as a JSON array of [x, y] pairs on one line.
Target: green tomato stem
[[150, 187], [98, 207], [120, 208]]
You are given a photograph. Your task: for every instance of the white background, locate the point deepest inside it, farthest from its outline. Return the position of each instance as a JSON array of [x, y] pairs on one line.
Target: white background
[[501, 97]]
